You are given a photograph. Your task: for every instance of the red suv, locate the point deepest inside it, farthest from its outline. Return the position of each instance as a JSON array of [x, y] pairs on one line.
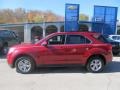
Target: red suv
[[61, 49]]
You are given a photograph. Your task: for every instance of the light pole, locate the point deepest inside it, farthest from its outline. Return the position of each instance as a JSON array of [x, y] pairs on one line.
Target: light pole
[[27, 30], [44, 31]]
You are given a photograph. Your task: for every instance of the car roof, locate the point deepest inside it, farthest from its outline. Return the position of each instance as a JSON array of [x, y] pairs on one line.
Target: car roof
[[90, 33], [115, 35], [6, 31]]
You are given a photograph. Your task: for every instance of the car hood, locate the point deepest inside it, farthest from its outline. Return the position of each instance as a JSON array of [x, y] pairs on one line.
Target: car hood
[[23, 47]]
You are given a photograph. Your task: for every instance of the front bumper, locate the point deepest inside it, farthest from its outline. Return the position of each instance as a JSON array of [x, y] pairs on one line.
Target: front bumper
[[10, 60], [11, 65]]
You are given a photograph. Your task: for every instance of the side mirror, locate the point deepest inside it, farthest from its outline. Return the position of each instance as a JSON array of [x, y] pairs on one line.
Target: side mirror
[[44, 43]]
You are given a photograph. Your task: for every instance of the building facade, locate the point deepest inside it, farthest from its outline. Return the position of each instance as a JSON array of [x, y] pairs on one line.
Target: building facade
[[27, 31]]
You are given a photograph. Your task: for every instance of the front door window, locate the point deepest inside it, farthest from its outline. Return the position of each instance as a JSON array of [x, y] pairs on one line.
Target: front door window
[[57, 40]]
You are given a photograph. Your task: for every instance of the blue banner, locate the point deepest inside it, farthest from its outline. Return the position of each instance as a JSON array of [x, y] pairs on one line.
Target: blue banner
[[71, 17], [107, 16]]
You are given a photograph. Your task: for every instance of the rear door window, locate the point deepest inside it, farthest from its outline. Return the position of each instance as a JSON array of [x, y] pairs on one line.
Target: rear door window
[[76, 39]]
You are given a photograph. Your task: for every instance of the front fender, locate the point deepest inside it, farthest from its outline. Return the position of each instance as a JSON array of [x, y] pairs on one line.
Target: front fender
[[17, 53]]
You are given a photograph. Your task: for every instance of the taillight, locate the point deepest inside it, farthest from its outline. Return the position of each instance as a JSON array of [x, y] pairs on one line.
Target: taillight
[[109, 47]]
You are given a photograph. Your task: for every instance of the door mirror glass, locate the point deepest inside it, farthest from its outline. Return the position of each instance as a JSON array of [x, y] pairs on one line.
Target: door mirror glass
[[44, 43]]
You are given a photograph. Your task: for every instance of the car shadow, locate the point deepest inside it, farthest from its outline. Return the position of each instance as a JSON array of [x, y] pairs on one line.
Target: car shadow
[[112, 67], [46, 70]]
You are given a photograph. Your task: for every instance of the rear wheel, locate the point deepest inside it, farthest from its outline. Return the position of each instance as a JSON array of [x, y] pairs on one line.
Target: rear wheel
[[24, 64], [95, 64]]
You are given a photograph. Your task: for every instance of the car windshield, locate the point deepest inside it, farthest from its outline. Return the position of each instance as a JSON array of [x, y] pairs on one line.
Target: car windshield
[[116, 37], [107, 38], [6, 33]]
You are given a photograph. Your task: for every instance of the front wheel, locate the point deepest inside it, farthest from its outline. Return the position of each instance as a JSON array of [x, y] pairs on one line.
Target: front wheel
[[24, 65], [95, 64]]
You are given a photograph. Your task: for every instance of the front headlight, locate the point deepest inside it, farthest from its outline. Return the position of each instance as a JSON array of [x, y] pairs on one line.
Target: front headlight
[[11, 50]]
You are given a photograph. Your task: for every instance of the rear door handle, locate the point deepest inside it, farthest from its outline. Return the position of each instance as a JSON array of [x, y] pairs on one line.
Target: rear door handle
[[87, 48]]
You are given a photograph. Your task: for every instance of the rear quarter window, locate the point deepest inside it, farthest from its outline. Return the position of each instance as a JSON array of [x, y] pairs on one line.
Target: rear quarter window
[[100, 38]]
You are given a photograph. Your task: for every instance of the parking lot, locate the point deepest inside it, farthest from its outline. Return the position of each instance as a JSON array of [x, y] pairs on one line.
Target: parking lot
[[72, 78]]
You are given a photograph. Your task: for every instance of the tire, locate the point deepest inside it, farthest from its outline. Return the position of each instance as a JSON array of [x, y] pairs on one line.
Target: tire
[[95, 64], [5, 50], [24, 65]]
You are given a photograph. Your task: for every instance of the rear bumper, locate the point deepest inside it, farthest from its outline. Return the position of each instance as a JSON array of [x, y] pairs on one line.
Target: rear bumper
[[116, 49]]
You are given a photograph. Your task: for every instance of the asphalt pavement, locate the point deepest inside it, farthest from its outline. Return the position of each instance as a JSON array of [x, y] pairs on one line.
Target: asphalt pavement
[[65, 78]]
